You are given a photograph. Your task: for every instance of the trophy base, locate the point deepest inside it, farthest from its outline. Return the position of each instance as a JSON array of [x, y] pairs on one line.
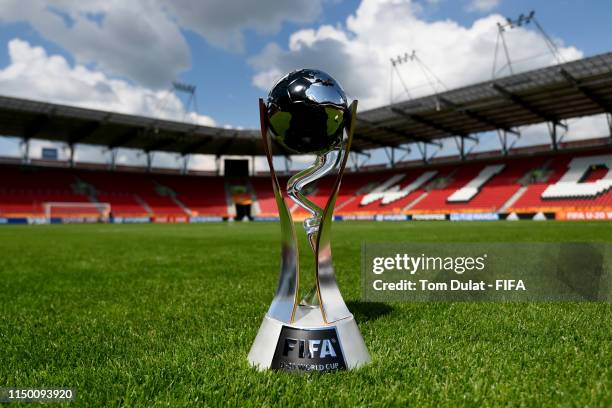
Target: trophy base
[[308, 344]]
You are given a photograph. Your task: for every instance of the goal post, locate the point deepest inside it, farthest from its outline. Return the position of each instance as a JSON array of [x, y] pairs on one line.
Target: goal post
[[84, 212]]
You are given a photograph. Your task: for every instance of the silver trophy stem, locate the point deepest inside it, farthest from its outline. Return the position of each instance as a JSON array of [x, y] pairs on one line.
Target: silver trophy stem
[[332, 304], [323, 165], [284, 304], [296, 184]]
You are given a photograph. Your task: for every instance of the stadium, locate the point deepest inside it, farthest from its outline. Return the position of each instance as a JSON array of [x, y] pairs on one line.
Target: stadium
[[144, 286], [555, 181]]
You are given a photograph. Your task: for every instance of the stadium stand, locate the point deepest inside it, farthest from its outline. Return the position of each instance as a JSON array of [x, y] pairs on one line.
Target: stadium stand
[[472, 188], [198, 196], [567, 188], [23, 191], [264, 196], [567, 180], [546, 182], [578, 182]]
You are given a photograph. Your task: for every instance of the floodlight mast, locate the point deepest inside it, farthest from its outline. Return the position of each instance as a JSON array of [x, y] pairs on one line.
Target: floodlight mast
[[190, 90], [433, 80], [190, 105], [502, 28], [176, 89], [509, 24]]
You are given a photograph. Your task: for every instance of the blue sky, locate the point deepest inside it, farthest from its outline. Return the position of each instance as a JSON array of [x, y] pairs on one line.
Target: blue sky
[[232, 98], [189, 44]]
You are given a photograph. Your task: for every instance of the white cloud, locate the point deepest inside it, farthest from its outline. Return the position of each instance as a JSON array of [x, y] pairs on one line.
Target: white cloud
[[223, 22], [587, 127], [143, 40], [482, 6], [358, 52], [137, 40], [33, 74]]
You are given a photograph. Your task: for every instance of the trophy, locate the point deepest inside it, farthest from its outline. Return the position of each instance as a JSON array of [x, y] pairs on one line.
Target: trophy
[[308, 330]]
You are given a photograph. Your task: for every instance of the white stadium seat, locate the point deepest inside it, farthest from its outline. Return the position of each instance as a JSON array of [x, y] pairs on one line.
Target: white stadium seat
[[469, 191], [390, 191], [569, 185]]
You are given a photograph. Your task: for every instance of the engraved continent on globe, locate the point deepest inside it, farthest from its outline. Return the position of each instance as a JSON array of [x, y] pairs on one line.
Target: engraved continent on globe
[[306, 111]]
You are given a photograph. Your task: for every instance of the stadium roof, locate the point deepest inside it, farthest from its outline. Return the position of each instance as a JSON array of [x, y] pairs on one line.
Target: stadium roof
[[573, 89], [40, 120], [577, 88]]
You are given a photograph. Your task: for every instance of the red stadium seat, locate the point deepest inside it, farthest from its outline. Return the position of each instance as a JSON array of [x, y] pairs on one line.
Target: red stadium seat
[[509, 185]]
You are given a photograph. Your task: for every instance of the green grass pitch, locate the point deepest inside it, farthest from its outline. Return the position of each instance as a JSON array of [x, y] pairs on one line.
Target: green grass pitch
[[158, 315]]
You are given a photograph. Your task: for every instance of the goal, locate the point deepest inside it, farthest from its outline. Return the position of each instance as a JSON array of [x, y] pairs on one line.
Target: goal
[[77, 212]]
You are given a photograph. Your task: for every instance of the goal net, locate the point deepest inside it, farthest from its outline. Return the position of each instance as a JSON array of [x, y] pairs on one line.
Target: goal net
[[77, 212]]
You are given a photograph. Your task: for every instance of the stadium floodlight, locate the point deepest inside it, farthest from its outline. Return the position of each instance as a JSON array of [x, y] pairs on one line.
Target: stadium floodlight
[[307, 112], [86, 211], [510, 24]]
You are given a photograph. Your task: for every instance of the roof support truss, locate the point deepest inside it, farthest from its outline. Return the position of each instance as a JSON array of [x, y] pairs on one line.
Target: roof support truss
[[372, 140], [71, 154], [409, 137], [423, 150], [159, 144], [38, 124], [124, 138], [224, 148], [428, 122], [25, 146], [86, 130], [586, 91], [390, 152], [287, 160], [194, 146], [83, 132], [477, 116], [150, 156], [185, 164], [552, 128], [354, 156], [503, 141], [112, 165], [254, 151], [517, 100], [426, 157], [460, 142]]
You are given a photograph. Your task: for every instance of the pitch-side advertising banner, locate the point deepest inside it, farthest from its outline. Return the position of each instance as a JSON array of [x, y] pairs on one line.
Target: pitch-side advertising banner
[[584, 215], [486, 272]]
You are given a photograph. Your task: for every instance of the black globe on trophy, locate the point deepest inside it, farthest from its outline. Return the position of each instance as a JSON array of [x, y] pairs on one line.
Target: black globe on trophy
[[308, 329]]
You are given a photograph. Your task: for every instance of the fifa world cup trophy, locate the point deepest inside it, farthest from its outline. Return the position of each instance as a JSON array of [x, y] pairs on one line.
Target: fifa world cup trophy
[[307, 113]]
